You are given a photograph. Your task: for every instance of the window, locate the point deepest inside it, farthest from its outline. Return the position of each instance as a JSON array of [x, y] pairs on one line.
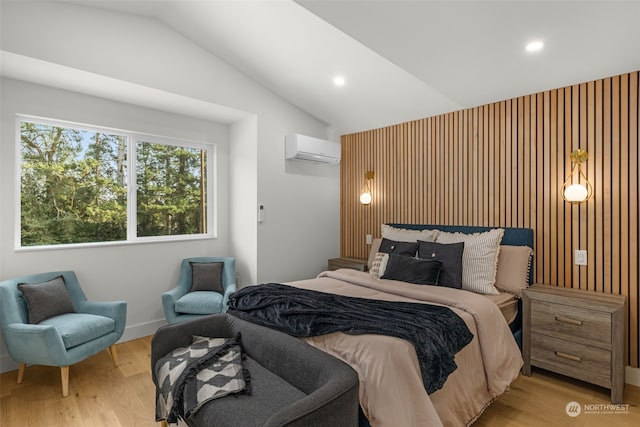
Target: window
[[75, 181]]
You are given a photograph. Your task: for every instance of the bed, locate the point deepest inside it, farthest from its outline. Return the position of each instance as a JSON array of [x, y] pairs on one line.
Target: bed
[[392, 392]]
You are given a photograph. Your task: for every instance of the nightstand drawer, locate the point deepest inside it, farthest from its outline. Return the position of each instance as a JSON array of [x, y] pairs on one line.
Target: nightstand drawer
[[579, 361], [572, 323]]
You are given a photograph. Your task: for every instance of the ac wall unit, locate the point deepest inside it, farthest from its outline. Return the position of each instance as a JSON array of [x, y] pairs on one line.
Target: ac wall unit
[[312, 149]]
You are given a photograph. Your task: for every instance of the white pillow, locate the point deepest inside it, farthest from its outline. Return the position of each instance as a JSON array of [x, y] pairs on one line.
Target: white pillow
[[379, 264], [405, 235], [479, 259]]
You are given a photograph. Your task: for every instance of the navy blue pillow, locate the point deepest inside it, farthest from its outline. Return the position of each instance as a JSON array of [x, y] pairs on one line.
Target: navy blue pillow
[[401, 248], [412, 270], [451, 257]]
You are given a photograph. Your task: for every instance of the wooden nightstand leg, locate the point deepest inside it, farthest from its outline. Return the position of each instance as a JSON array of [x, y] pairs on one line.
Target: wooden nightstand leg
[[526, 335], [616, 396]]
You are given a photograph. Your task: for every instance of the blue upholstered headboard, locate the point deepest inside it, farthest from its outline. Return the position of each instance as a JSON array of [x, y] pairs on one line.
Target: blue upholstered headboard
[[512, 236]]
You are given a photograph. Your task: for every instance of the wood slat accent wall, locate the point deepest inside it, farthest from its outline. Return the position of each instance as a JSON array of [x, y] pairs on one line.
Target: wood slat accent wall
[[503, 164]]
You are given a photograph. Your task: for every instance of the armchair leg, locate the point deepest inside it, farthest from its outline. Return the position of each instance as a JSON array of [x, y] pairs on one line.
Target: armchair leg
[[114, 355], [64, 376], [21, 372]]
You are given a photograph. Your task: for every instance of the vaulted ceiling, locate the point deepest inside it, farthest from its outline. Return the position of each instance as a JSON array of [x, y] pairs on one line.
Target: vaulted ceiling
[[404, 60]]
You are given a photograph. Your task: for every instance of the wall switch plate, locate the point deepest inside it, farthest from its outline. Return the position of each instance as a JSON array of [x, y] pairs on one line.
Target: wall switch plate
[[580, 257], [369, 239]]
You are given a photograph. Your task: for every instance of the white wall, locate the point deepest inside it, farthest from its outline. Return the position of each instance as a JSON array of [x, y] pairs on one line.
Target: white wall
[[137, 273], [243, 178], [301, 229]]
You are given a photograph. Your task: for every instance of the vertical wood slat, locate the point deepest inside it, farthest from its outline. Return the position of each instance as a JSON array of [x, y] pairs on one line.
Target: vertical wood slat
[[634, 213], [575, 209], [503, 164], [607, 190], [568, 209], [599, 187], [591, 276], [615, 193], [555, 183]]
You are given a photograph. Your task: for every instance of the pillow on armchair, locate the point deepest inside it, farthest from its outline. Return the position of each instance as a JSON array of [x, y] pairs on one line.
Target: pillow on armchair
[[47, 299], [206, 276]]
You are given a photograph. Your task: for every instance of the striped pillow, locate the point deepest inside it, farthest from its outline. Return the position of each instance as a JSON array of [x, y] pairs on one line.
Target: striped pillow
[[479, 259], [379, 264]]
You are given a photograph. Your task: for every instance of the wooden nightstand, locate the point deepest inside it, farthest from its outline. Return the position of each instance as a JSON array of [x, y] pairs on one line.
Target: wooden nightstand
[[576, 333], [353, 263]]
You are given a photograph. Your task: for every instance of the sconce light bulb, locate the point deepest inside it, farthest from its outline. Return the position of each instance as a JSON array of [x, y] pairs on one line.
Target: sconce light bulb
[[576, 193], [365, 198]]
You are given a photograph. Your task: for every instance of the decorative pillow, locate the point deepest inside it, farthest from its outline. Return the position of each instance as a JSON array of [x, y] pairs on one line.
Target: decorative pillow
[[379, 264], [46, 299], [401, 248], [479, 259], [451, 257], [513, 269], [406, 235], [375, 245], [206, 276], [412, 270]]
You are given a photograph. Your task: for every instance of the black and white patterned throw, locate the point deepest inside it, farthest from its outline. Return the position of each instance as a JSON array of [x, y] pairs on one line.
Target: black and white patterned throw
[[189, 377]]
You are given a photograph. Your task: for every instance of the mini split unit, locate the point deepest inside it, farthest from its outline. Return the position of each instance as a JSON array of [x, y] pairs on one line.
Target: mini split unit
[[317, 150]]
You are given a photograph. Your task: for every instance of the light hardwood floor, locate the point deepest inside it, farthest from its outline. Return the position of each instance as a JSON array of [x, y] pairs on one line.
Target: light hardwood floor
[[103, 395]]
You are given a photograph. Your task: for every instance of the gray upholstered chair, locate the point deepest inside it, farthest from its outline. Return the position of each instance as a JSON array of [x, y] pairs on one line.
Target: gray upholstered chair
[[41, 326], [184, 302], [292, 383]]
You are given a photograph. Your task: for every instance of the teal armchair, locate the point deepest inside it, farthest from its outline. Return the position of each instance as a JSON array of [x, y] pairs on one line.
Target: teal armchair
[[181, 303], [64, 339]]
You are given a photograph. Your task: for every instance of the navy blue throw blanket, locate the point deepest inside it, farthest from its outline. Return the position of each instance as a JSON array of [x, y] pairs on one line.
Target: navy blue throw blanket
[[436, 332]]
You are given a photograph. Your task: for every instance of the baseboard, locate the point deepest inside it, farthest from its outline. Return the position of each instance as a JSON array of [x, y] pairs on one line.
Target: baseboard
[[7, 363], [140, 330], [632, 376], [130, 333]]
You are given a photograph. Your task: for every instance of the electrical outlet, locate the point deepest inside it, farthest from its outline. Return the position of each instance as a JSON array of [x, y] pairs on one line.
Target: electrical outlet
[[369, 239], [580, 257]]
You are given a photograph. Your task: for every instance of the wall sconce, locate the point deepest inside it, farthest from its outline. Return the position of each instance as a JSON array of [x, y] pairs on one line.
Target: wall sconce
[[577, 192], [365, 192]]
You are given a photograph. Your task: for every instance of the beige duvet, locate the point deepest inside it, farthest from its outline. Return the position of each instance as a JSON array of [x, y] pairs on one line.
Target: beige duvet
[[391, 389]]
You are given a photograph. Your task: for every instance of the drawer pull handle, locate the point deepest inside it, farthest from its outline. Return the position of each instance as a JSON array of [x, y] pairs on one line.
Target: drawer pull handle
[[568, 356], [569, 320]]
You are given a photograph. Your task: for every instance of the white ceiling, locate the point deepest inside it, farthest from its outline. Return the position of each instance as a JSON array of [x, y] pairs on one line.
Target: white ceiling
[[404, 60]]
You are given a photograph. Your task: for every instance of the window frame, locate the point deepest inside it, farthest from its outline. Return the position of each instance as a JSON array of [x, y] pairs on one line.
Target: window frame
[[132, 137]]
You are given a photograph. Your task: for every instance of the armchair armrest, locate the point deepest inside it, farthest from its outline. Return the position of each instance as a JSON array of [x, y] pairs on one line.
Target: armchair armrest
[[231, 288], [173, 295], [169, 299], [116, 310], [35, 344]]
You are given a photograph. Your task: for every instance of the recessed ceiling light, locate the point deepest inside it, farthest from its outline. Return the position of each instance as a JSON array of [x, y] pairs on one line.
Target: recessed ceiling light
[[339, 81], [534, 46]]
